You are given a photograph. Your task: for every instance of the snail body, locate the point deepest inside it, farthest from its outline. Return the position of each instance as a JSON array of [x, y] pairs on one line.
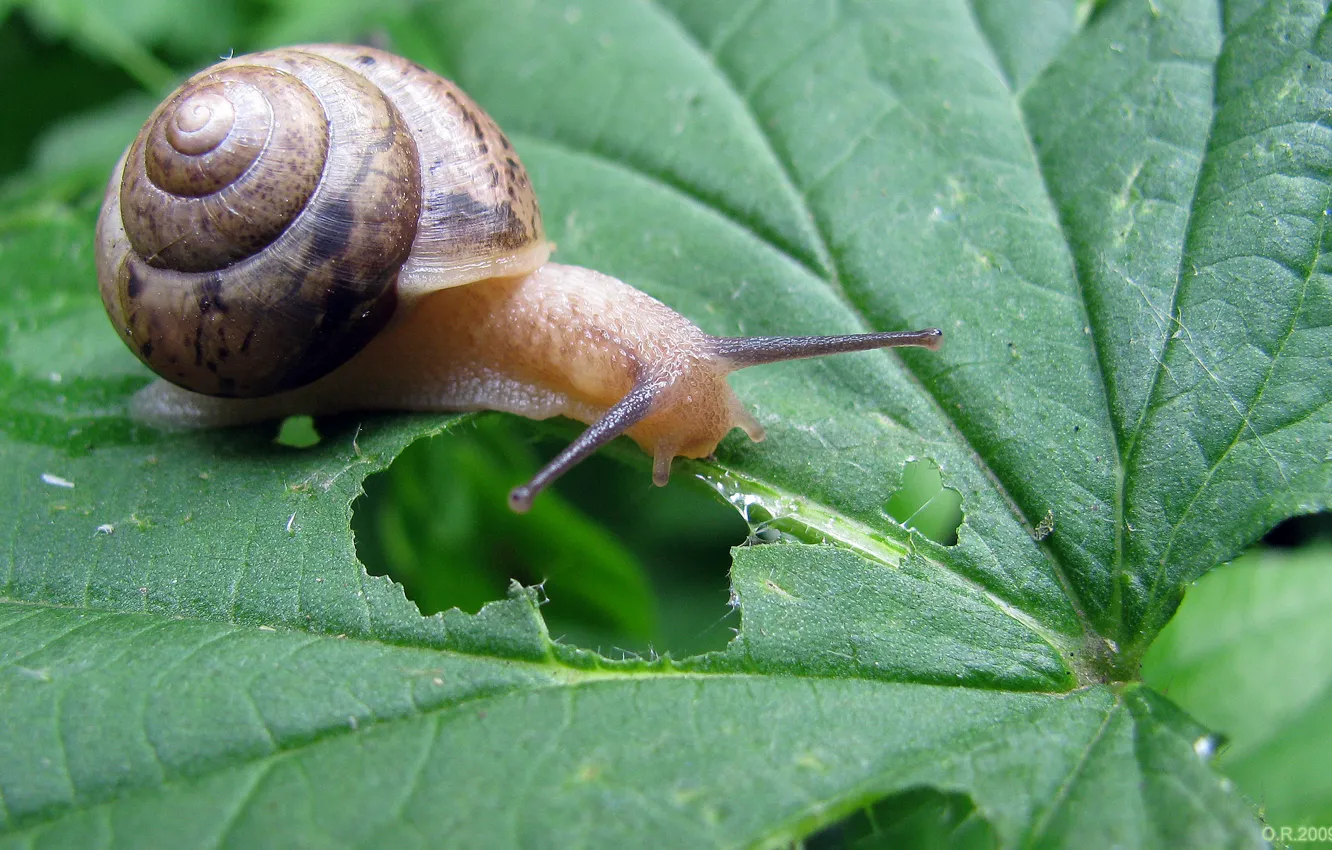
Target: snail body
[[330, 228]]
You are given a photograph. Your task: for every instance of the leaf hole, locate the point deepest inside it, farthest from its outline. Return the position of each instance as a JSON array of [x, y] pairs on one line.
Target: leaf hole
[[297, 432], [1298, 531], [629, 569], [925, 505], [918, 817]]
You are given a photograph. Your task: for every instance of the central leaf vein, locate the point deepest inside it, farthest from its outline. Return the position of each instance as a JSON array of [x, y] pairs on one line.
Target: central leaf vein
[[834, 281]]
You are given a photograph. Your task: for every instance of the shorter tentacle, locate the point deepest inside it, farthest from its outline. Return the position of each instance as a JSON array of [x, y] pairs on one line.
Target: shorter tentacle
[[662, 456]]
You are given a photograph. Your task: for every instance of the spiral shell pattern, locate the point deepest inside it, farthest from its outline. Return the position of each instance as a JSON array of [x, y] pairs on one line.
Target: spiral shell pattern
[[277, 208], [217, 176]]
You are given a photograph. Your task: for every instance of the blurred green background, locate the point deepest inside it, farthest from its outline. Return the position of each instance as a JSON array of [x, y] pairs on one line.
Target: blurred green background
[[627, 568]]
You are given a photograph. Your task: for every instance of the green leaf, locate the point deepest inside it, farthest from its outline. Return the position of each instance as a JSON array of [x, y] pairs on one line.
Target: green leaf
[[1247, 656], [1116, 211], [235, 736]]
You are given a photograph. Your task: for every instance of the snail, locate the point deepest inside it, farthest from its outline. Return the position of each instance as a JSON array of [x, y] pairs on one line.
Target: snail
[[327, 228]]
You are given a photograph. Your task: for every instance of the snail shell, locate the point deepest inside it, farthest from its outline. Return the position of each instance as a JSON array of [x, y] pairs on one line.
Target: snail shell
[[277, 209]]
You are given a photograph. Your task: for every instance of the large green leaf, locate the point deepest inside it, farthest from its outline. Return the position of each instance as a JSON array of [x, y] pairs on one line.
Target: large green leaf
[[1116, 211]]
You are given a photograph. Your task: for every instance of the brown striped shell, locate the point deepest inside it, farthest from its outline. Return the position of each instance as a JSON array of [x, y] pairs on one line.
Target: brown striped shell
[[278, 209]]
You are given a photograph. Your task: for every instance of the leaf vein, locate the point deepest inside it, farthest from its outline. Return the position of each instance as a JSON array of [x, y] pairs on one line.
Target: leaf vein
[[784, 172], [232, 819], [1056, 563], [838, 288], [1074, 774], [1244, 423], [414, 775]]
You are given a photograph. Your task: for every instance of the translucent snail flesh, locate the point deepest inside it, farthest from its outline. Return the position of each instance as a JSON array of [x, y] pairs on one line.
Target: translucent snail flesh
[[329, 228]]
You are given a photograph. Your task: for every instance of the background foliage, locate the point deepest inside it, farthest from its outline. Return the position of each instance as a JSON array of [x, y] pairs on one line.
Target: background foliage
[[1117, 211]]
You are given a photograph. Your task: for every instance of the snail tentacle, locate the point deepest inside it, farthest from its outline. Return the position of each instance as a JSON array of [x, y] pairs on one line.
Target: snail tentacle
[[621, 416], [745, 351]]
